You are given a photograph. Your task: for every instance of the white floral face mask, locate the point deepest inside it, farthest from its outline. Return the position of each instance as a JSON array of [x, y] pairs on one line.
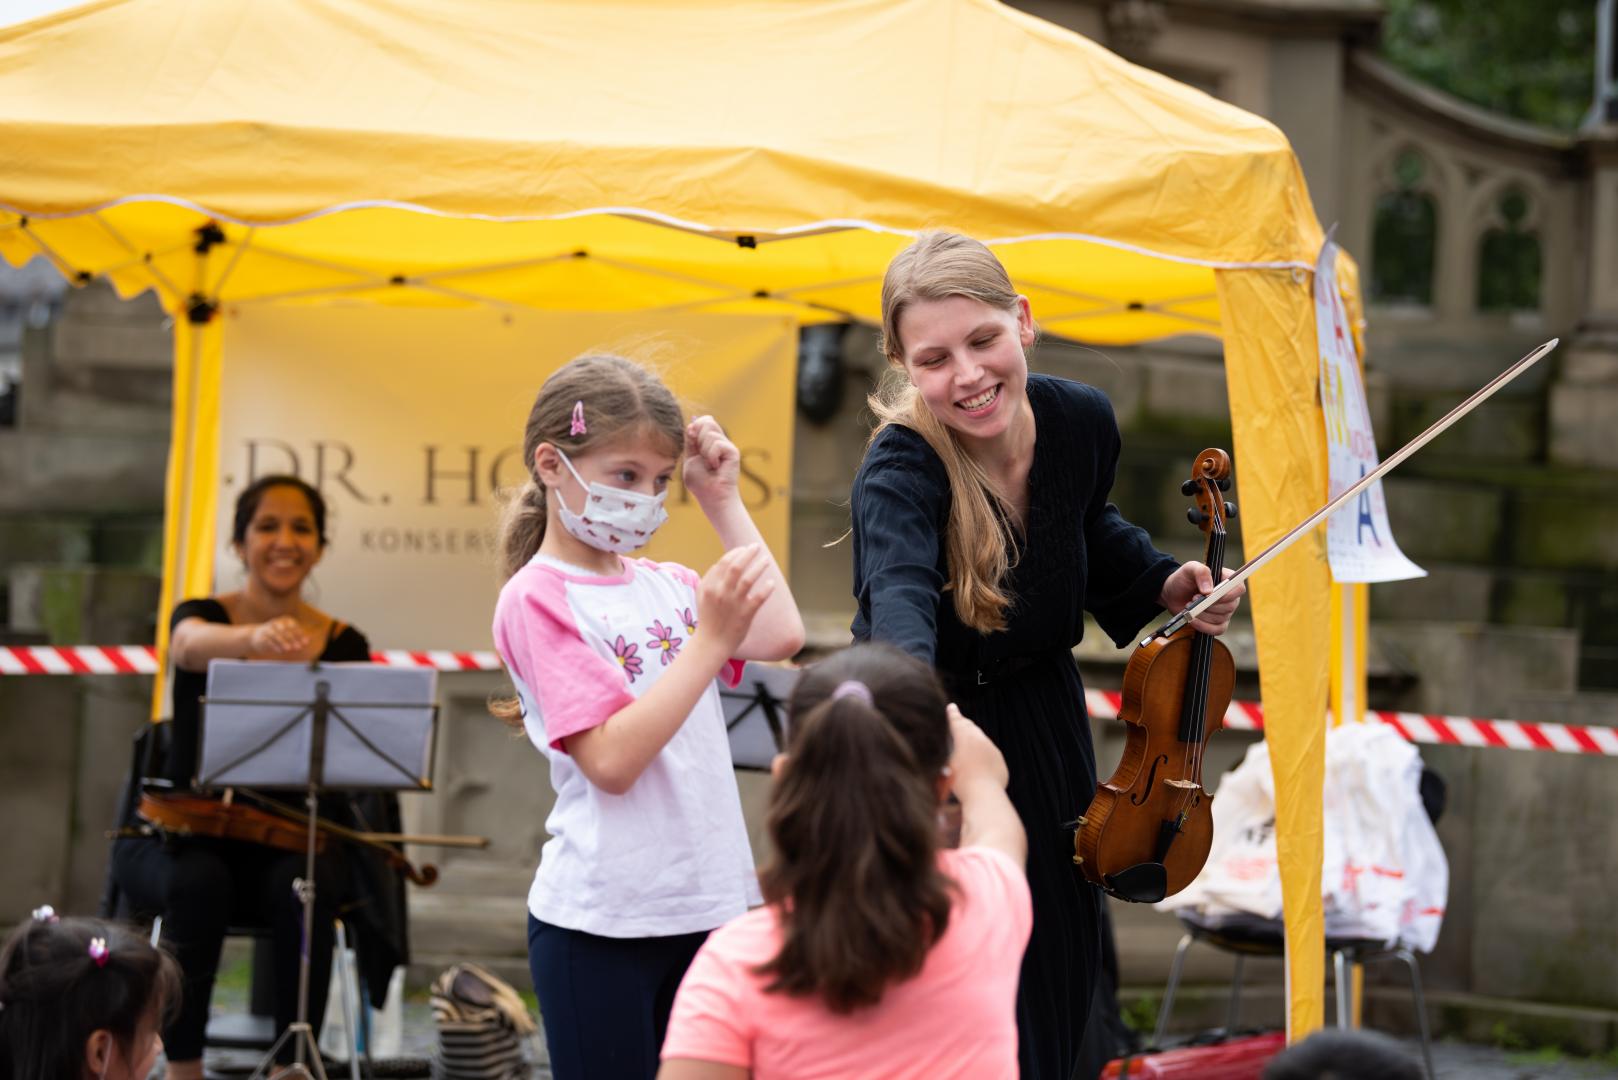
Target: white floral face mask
[[613, 519]]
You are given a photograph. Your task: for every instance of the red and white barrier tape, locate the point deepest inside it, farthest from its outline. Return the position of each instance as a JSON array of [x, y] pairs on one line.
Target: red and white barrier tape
[[1426, 728], [142, 660], [1241, 716]]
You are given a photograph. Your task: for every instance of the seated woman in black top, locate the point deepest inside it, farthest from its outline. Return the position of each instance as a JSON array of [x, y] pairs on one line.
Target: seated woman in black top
[[982, 534], [200, 886]]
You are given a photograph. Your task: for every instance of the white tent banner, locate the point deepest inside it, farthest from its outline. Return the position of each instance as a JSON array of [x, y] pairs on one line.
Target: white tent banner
[[1359, 540], [410, 421]]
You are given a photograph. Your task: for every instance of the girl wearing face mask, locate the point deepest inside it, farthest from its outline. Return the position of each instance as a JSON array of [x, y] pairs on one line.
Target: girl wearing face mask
[[82, 999], [614, 661]]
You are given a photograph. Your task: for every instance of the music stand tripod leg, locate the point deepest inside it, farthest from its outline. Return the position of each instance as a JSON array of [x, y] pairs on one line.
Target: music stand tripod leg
[[300, 1031]]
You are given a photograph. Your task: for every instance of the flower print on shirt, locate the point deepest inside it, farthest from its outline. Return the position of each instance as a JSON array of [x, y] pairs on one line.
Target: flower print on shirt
[[664, 641], [625, 652], [690, 620]]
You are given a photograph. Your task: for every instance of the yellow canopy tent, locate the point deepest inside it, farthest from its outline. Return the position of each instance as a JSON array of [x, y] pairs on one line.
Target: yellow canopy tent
[[717, 155]]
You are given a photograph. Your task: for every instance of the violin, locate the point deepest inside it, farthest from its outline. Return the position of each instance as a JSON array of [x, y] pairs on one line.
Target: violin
[[1149, 828], [284, 830]]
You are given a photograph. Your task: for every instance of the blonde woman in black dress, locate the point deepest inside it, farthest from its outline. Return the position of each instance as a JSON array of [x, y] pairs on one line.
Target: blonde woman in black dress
[[982, 534]]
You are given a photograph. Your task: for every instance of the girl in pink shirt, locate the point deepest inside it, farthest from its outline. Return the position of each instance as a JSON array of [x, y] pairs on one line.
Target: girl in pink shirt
[[880, 953], [614, 661]]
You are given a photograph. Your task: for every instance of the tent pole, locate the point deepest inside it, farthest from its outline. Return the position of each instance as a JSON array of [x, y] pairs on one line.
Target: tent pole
[[192, 317]]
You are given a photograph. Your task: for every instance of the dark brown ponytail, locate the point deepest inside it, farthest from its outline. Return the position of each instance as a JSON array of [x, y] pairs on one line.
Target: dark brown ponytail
[[54, 993], [854, 826]]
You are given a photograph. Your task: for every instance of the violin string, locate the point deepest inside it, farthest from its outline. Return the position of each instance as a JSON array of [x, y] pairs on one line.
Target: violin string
[[1201, 659], [1191, 694], [1216, 563], [1216, 560], [1194, 693]]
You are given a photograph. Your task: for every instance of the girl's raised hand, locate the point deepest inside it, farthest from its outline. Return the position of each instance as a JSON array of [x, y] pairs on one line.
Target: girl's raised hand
[[732, 591], [712, 462], [974, 757]]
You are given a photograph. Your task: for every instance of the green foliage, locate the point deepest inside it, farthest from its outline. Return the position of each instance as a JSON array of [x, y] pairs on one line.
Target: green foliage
[[1506, 1037], [1140, 1015], [1532, 60]]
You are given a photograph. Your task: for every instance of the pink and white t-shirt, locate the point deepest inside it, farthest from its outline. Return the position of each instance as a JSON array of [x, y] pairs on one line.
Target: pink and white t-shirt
[[955, 1018], [670, 855]]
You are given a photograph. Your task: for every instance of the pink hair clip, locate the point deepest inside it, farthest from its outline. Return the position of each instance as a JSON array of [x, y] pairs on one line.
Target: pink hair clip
[[577, 427], [99, 951], [46, 914]]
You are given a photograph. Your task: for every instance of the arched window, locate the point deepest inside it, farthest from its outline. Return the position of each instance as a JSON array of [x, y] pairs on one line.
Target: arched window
[[1508, 256], [1404, 234]]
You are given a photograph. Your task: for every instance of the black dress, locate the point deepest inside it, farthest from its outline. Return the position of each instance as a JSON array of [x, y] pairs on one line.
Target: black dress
[[203, 886], [1021, 685]]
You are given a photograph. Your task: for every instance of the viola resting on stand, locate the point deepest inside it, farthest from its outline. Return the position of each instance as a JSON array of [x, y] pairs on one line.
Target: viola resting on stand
[[1149, 828]]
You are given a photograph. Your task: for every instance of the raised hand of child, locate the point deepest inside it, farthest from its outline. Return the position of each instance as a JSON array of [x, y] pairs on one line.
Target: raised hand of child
[[975, 758], [712, 462], [731, 593]]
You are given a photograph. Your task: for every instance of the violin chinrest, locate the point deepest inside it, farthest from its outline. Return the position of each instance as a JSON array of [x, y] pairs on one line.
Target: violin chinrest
[[1143, 883]]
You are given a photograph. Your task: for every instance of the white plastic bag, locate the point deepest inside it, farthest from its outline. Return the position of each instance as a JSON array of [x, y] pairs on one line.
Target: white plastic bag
[[1389, 879], [1384, 875], [1241, 875]]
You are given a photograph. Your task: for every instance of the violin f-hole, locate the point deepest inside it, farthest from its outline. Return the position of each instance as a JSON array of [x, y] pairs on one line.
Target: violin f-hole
[[1146, 792]]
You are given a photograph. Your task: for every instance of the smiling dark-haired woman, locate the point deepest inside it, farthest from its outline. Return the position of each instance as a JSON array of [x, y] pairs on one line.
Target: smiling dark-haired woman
[[201, 886]]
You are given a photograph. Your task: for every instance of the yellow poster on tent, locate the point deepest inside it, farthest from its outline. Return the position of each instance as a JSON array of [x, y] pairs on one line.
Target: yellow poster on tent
[[411, 423]]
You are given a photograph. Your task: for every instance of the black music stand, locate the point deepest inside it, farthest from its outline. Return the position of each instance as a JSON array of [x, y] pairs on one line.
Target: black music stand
[[308, 727], [755, 714]]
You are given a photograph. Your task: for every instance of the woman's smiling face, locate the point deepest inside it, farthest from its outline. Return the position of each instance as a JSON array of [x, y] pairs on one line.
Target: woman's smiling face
[[282, 542], [966, 360]]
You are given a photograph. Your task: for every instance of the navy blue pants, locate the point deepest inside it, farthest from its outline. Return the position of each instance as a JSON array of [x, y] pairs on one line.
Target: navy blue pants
[[605, 1001]]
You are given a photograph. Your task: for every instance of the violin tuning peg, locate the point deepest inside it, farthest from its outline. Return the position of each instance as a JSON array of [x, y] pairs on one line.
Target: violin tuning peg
[[1189, 488], [1224, 485], [1230, 509], [1195, 516]]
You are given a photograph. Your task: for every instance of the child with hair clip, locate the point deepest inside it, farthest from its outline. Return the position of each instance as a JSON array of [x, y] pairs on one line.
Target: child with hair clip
[[614, 661], [82, 999], [881, 952]]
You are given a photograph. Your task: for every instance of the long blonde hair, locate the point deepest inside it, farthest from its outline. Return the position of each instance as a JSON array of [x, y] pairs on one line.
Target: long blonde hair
[[937, 266]]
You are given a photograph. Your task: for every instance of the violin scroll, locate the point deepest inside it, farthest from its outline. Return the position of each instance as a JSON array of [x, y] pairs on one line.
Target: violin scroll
[[1210, 479]]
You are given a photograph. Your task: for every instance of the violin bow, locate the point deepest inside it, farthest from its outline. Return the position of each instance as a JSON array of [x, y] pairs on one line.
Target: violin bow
[[1479, 397]]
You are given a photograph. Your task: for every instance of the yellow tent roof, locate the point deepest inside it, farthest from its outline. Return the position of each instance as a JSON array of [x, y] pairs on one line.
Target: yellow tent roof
[[603, 155]]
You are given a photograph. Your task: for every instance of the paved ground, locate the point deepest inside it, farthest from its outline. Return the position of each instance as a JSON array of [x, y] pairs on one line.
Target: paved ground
[[1461, 1061], [1453, 1061]]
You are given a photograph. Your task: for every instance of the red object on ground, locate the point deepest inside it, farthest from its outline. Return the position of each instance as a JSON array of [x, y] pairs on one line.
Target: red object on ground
[[1238, 1059]]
